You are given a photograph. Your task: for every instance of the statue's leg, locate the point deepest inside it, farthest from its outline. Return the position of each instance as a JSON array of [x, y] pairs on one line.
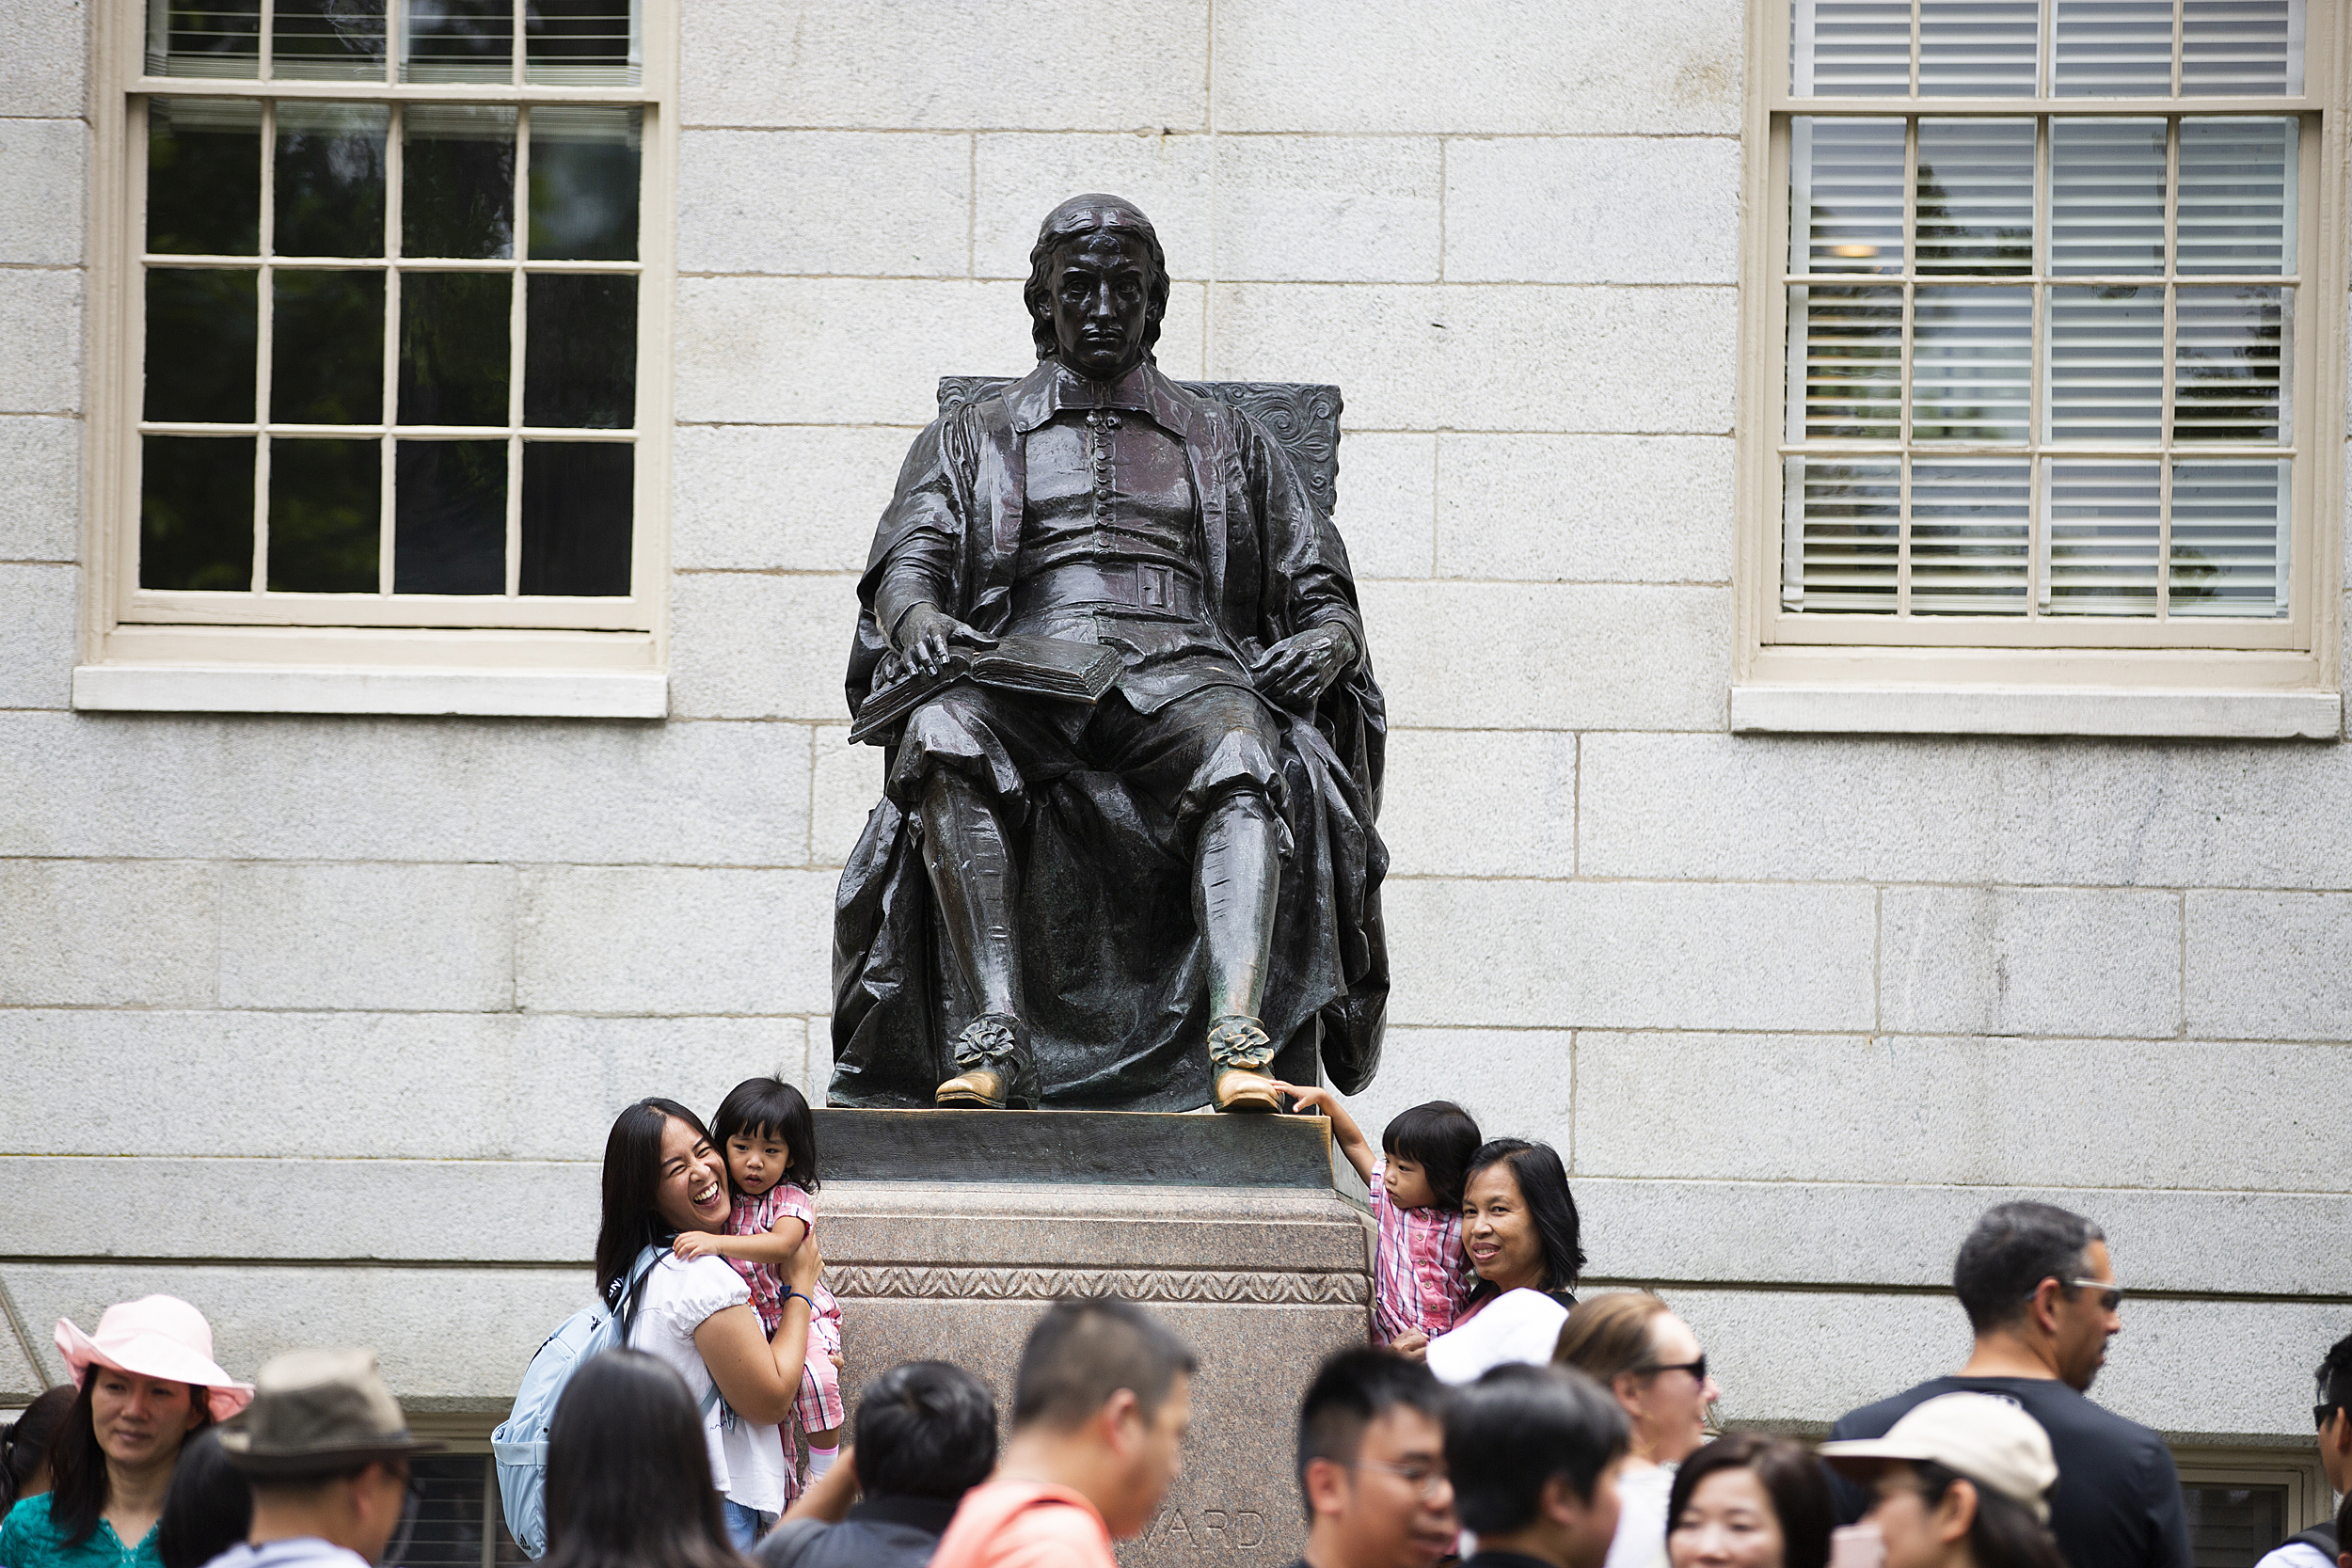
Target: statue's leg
[[1237, 873], [975, 884]]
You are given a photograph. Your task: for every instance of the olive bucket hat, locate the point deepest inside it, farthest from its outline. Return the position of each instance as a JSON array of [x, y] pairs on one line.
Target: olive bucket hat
[[315, 1411]]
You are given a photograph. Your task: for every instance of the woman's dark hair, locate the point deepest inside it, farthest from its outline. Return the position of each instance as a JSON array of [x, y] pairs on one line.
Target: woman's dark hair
[[925, 1429], [776, 1108], [77, 1465], [1441, 1138], [629, 1472], [2004, 1533], [1790, 1477], [633, 1169], [1074, 220], [207, 1509], [24, 1447], [1550, 1208]]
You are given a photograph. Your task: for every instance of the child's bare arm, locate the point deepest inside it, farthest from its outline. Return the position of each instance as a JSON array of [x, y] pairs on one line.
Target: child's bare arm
[[772, 1248], [1349, 1136]]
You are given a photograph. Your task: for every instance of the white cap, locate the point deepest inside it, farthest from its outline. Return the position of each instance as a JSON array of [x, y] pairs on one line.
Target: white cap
[[1990, 1440]]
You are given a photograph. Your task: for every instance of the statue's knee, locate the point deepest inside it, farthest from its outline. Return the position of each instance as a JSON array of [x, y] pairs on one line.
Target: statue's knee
[[1243, 799]]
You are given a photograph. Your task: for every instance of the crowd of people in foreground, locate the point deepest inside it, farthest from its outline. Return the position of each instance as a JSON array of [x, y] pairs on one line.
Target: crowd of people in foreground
[[1500, 1420]]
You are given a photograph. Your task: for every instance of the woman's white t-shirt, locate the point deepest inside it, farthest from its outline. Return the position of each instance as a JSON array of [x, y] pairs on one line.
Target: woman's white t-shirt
[[746, 1460], [1642, 1492]]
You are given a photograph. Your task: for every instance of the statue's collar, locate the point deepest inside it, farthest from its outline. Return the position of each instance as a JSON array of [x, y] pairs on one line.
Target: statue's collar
[[1053, 387]]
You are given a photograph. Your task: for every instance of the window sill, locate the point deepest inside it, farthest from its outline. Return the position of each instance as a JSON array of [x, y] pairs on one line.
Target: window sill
[[261, 688], [1902, 708]]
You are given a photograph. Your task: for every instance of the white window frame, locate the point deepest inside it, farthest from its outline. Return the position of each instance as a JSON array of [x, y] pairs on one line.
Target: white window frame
[[144, 650], [2043, 675]]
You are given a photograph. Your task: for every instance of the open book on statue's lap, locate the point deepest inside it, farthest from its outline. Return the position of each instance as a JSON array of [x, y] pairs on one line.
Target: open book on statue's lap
[[1055, 667]]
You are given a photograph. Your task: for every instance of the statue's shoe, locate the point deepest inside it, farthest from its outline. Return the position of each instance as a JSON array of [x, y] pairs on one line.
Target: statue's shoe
[[1239, 1054], [997, 1068]]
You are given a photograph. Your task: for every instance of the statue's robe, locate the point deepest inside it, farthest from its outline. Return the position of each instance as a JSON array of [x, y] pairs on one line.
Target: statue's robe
[[1114, 972]]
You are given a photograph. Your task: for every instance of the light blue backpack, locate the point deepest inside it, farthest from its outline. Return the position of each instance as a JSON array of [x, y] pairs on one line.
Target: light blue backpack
[[519, 1446]]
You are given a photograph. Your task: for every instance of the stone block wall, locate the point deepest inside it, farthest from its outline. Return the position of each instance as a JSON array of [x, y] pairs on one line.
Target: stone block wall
[[319, 1020]]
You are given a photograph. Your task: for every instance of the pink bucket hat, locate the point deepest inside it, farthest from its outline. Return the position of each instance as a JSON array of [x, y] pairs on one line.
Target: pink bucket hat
[[158, 1337]]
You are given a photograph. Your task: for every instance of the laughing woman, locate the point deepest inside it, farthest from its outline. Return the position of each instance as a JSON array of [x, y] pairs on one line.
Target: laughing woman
[[662, 1177], [147, 1381]]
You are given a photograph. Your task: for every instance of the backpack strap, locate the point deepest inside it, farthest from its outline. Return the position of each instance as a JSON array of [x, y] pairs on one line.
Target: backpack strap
[[2320, 1538], [624, 1310]]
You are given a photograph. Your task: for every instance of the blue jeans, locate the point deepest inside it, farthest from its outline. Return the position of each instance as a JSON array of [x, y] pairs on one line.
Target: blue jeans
[[745, 1526]]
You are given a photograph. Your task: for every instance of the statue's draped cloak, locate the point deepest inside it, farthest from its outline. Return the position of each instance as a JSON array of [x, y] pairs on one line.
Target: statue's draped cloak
[[1114, 972]]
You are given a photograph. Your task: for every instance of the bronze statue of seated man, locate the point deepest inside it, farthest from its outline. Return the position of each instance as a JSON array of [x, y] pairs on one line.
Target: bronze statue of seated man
[[1096, 501]]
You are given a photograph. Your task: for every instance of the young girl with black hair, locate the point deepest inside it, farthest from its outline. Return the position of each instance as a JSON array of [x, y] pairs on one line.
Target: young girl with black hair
[[769, 1139], [1420, 1274]]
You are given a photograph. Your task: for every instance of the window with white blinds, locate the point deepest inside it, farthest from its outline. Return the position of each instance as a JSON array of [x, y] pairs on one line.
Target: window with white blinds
[[2042, 326]]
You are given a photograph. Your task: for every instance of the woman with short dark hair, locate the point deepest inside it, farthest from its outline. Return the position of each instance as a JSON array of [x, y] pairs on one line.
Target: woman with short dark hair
[[1521, 1231], [147, 1382], [662, 1177], [24, 1447], [1749, 1500], [628, 1480], [1519, 1225]]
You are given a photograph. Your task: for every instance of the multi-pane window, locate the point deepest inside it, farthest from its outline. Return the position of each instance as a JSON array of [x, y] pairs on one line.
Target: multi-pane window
[[452, 1519], [387, 321], [2041, 319]]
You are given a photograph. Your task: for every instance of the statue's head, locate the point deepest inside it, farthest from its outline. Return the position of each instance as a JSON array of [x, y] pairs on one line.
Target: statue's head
[[1098, 286]]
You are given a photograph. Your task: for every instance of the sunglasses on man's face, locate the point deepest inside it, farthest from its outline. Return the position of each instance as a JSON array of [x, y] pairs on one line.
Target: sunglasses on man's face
[[2110, 1294]]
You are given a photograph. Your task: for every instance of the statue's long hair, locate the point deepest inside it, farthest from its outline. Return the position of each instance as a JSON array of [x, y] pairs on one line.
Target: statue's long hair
[[1074, 220]]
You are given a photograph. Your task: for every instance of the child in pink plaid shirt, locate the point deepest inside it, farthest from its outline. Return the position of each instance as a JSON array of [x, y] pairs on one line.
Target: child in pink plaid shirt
[[770, 1140], [1420, 1275]]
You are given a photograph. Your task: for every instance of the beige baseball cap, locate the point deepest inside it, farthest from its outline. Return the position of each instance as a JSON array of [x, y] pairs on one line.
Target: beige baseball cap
[[1990, 1440]]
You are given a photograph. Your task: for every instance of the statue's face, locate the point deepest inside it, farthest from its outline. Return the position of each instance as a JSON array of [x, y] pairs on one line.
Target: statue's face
[[1101, 297]]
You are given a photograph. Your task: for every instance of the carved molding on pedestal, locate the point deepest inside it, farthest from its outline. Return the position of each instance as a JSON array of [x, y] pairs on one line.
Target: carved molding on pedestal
[[931, 1282]]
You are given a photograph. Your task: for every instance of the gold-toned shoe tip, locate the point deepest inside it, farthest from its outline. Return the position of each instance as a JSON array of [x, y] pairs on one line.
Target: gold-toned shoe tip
[[982, 1090], [1247, 1093]]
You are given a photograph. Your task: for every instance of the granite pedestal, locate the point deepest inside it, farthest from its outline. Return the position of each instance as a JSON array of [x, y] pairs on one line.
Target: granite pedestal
[[947, 1232]]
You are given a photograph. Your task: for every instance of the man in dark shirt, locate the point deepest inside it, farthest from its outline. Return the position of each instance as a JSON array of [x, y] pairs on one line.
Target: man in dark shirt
[[926, 1435], [2041, 1294], [1372, 1464], [1534, 1453]]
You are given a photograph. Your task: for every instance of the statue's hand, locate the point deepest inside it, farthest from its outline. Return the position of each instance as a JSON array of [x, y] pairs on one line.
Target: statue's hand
[[1297, 670], [923, 633]]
